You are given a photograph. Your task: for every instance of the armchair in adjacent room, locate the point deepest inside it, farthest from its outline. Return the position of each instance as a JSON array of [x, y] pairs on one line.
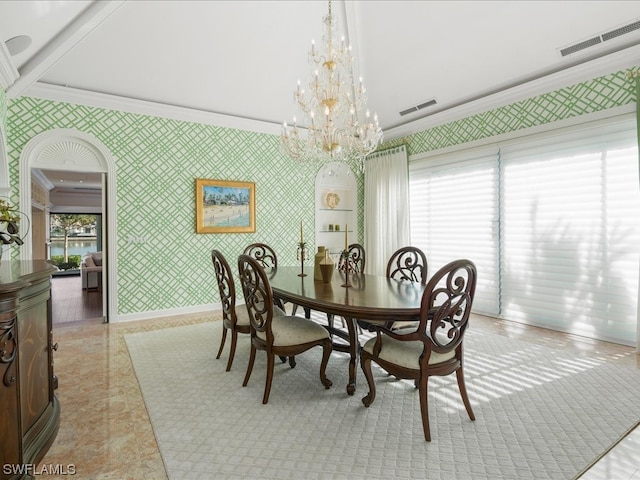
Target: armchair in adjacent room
[[91, 271]]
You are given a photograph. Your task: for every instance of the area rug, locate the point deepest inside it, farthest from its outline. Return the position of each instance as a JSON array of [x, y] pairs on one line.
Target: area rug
[[540, 413]]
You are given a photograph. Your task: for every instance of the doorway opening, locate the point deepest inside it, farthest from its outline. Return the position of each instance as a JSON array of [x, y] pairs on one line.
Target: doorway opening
[[77, 157], [77, 285]]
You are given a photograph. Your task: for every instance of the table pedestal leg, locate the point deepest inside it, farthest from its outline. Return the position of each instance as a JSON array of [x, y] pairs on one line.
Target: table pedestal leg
[[354, 353]]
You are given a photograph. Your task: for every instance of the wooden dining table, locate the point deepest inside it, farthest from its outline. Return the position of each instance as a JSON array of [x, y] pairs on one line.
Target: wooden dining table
[[369, 297]]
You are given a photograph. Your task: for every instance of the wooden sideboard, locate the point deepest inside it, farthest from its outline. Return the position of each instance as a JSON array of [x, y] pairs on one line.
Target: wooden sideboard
[[29, 410]]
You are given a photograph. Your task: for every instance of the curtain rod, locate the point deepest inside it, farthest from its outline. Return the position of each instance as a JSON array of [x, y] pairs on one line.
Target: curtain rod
[[397, 148]]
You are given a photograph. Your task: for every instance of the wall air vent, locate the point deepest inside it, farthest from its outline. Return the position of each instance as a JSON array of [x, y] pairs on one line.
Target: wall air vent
[[615, 33], [428, 103]]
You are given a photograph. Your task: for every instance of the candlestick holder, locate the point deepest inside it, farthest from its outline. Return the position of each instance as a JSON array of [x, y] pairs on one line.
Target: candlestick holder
[[302, 255], [346, 260]]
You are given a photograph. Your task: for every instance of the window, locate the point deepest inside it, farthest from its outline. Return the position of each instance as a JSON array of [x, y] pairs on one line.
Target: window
[[453, 214], [73, 235], [551, 223]]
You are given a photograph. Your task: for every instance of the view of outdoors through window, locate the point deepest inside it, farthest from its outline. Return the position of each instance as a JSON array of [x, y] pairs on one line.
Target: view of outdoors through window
[[73, 235]]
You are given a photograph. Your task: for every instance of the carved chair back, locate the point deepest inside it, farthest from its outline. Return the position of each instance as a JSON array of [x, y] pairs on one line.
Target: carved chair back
[[258, 295], [408, 263], [446, 307], [226, 286], [264, 254]]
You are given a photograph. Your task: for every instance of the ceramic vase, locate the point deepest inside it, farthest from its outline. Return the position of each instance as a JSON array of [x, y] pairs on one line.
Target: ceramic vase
[[319, 257]]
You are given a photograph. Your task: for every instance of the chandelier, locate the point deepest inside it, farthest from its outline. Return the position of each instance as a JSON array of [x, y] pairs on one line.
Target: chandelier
[[339, 127]]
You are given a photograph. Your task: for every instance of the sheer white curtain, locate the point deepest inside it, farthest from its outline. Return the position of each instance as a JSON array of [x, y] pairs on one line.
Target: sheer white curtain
[[638, 139], [386, 207]]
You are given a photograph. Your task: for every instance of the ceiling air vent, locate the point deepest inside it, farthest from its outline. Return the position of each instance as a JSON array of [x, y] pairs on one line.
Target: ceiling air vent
[[428, 103], [621, 31], [580, 46], [600, 38]]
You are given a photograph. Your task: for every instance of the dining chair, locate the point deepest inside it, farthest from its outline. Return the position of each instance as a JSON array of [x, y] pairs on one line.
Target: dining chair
[[264, 254], [408, 263], [405, 264], [436, 346], [234, 320], [267, 258], [285, 336]]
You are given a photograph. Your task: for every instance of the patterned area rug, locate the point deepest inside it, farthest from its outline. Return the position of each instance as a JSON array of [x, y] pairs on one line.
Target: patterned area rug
[[541, 413]]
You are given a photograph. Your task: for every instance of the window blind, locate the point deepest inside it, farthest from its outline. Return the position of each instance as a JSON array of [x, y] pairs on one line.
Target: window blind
[[570, 236], [551, 222], [453, 214]]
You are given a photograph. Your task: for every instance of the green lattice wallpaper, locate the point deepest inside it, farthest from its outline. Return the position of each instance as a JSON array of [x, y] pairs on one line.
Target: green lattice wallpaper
[[157, 161], [601, 93]]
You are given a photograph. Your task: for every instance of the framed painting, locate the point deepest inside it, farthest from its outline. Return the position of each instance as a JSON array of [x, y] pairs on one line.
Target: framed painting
[[224, 206]]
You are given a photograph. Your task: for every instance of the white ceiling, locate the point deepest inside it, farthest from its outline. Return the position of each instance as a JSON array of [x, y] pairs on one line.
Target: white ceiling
[[239, 61]]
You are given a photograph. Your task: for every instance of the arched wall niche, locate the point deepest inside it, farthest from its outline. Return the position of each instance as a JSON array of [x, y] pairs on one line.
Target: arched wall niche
[[73, 150]]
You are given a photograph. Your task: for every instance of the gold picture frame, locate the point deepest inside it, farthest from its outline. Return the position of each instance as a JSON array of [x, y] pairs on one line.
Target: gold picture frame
[[225, 206]]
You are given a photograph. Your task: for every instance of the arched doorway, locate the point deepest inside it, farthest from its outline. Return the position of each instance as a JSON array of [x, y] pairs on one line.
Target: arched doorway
[[73, 150]]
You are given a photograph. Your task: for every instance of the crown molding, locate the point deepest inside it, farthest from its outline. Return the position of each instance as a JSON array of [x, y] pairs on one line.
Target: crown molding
[[605, 65], [143, 107], [8, 72], [570, 76], [41, 179]]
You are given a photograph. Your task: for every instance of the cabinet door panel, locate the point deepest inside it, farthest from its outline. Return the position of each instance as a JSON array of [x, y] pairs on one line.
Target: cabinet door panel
[[34, 362], [9, 427]]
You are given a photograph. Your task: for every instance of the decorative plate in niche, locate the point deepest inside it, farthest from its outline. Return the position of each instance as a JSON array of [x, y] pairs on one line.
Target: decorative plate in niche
[[332, 200]]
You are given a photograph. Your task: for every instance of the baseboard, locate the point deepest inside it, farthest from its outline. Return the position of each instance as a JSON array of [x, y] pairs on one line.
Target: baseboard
[[195, 309]]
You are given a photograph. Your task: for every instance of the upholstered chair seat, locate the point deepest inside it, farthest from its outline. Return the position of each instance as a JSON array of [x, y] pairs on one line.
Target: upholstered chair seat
[[292, 330], [405, 354], [242, 317]]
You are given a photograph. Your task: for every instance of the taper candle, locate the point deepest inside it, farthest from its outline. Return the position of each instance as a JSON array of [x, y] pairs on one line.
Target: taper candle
[[301, 238], [346, 229]]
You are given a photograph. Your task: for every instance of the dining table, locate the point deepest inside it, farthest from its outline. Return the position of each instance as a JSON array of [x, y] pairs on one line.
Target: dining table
[[371, 298]]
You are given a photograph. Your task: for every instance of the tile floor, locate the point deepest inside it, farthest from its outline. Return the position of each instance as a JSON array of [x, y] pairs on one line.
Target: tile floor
[[105, 430]]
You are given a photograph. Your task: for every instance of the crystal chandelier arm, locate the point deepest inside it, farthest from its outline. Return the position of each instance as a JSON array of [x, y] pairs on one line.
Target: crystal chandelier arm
[[339, 126]]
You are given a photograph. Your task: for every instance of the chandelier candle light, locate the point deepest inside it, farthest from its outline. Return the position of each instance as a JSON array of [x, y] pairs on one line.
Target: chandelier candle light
[[339, 125]]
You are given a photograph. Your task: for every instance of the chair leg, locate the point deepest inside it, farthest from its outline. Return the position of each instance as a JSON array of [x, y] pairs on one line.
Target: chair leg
[[292, 361], [294, 309], [224, 337], [424, 406], [267, 385], [252, 359], [326, 353], [463, 393], [365, 364], [232, 350]]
